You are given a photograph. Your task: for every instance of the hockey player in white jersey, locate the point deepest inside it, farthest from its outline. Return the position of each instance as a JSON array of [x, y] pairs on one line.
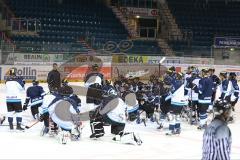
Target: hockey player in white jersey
[[14, 88], [63, 109], [178, 100]]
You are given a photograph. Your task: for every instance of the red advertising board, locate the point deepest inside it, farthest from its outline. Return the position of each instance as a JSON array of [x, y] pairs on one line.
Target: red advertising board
[[78, 73]]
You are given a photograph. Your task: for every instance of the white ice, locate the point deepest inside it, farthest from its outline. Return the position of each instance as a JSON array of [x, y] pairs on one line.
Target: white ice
[[29, 144]]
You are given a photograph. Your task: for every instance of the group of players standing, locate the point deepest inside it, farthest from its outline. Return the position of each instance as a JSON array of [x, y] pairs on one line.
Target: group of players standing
[[168, 96], [176, 91]]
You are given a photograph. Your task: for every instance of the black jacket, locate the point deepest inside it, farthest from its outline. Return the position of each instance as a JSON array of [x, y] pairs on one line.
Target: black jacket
[[54, 79]]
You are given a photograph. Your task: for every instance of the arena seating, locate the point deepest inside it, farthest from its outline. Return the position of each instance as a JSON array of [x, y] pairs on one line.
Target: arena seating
[[205, 21], [65, 22]]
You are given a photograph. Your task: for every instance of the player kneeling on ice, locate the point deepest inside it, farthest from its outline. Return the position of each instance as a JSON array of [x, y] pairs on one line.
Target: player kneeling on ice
[[63, 109], [35, 95], [217, 137], [178, 100], [113, 111]]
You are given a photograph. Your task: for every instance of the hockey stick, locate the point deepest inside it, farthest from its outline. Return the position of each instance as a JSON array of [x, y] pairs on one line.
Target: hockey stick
[[32, 124]]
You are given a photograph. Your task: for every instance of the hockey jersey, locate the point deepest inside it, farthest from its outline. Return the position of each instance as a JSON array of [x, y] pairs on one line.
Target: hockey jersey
[[192, 88], [205, 90], [177, 97], [14, 89], [225, 89], [35, 95], [93, 78], [235, 89]]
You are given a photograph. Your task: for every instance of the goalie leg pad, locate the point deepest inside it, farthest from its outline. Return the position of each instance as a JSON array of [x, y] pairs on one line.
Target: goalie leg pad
[[130, 138]]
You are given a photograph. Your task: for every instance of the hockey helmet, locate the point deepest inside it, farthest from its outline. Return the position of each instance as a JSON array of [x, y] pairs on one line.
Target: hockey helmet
[[64, 82], [173, 69], [223, 74], [222, 106], [12, 72], [35, 82], [95, 67], [108, 82], [232, 74]]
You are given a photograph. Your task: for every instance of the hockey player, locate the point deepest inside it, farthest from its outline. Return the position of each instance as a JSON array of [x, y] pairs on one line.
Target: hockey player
[[165, 100], [216, 82], [192, 88], [178, 100], [94, 82], [113, 111], [225, 87], [217, 137], [14, 87], [65, 93], [35, 94], [235, 89], [204, 98], [234, 92]]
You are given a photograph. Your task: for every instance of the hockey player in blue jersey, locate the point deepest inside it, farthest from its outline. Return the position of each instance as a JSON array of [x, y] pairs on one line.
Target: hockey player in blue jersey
[[225, 87], [192, 89], [235, 89], [216, 82], [14, 87], [204, 98], [34, 95], [178, 101], [234, 92]]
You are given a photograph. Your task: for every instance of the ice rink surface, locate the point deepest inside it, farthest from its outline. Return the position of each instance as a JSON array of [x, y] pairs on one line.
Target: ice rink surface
[[156, 145]]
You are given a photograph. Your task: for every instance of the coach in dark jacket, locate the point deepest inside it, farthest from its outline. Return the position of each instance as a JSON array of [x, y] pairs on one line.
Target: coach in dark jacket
[[54, 79]]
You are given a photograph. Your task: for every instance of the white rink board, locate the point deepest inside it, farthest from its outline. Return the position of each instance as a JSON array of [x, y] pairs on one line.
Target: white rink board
[[29, 145]]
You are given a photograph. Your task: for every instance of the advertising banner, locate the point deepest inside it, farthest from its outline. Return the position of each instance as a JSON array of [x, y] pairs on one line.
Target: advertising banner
[[27, 72], [79, 73], [130, 59], [146, 12], [224, 42]]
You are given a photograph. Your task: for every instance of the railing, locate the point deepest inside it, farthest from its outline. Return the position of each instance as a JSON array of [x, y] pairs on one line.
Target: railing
[[7, 14], [147, 32], [25, 25]]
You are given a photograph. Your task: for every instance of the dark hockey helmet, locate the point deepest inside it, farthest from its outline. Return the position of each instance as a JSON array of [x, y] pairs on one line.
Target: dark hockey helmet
[[65, 91], [35, 82], [173, 69], [222, 106], [204, 71], [211, 69], [108, 82], [95, 67], [223, 74], [233, 74]]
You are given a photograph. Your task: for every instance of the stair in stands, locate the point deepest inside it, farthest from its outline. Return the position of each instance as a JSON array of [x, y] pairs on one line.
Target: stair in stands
[[173, 28], [124, 20], [167, 50]]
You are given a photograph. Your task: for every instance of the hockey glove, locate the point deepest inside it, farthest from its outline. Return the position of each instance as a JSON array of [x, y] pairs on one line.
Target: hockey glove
[[25, 106]]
